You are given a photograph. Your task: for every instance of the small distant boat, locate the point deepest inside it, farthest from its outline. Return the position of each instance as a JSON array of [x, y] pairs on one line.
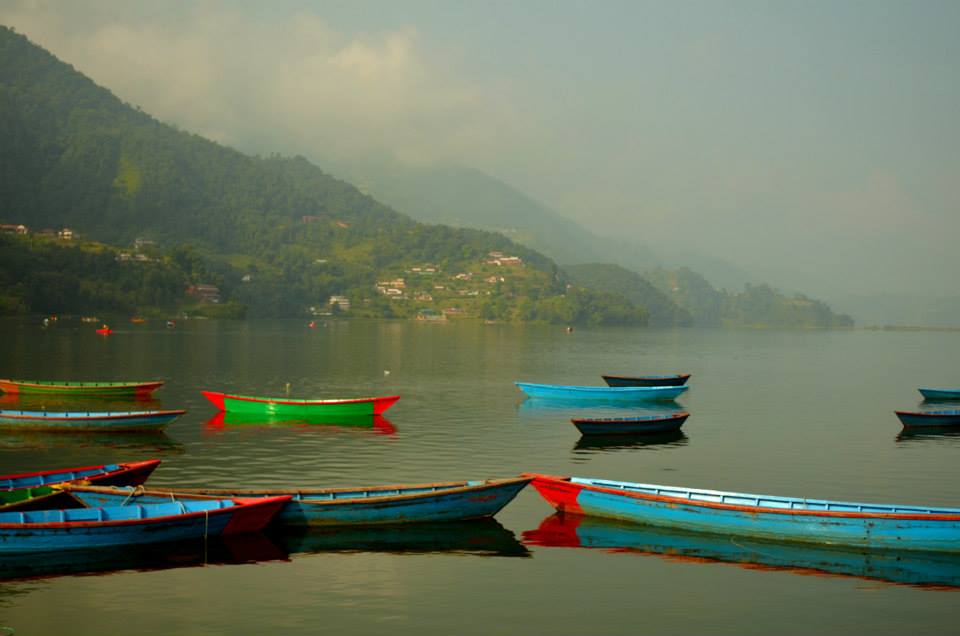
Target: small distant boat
[[89, 319], [138, 320], [105, 331], [82, 421], [80, 388], [287, 406], [638, 425], [776, 518], [34, 490], [647, 380], [343, 506], [75, 529], [916, 419], [601, 393], [940, 394]]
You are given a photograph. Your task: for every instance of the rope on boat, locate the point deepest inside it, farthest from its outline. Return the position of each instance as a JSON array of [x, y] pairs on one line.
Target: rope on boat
[[136, 492]]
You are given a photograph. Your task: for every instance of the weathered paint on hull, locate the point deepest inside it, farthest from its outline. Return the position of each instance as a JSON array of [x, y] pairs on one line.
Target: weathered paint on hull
[[172, 525], [929, 419], [105, 422], [923, 569], [601, 393], [100, 389], [474, 500], [930, 532], [629, 426], [284, 407]]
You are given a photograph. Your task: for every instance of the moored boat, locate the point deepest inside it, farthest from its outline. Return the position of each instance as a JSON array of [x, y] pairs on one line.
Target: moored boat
[[287, 406], [637, 425], [761, 516], [917, 419], [47, 387], [88, 421], [80, 528], [34, 490], [447, 501], [677, 379], [600, 393], [940, 394]]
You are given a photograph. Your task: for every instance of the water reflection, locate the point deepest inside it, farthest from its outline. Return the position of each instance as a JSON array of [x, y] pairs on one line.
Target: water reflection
[[231, 549], [936, 570], [156, 442], [27, 402], [534, 407], [480, 537], [931, 435], [374, 423], [593, 444]]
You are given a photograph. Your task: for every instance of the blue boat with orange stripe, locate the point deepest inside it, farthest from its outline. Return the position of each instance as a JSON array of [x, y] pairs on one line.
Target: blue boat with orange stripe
[[81, 528], [761, 516]]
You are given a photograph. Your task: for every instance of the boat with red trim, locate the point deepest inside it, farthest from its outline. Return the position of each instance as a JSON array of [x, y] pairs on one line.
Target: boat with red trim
[[410, 503], [287, 406], [35, 490], [637, 425], [865, 525], [929, 419], [55, 387], [88, 421], [676, 379], [81, 528]]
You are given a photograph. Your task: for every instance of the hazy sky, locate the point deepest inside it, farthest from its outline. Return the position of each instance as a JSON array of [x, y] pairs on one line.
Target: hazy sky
[[815, 144]]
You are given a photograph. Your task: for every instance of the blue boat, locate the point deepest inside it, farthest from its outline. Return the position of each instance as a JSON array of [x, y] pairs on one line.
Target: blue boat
[[940, 394], [637, 425], [83, 421], [343, 506], [929, 419], [765, 517], [35, 490], [920, 569], [601, 393], [82, 528]]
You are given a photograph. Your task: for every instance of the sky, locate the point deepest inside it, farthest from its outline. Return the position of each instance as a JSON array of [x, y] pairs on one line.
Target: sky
[[814, 144]]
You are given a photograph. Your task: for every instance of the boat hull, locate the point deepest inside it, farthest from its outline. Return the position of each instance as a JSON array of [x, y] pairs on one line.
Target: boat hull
[[455, 501], [34, 491], [43, 387], [104, 421], [940, 394], [647, 380], [630, 425], [279, 406], [929, 419], [762, 517], [53, 530], [626, 394]]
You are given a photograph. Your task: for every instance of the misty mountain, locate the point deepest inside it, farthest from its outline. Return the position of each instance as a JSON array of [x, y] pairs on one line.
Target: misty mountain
[[615, 279]]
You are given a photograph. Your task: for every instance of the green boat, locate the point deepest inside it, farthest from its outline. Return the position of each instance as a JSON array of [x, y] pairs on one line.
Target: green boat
[[48, 387], [287, 406]]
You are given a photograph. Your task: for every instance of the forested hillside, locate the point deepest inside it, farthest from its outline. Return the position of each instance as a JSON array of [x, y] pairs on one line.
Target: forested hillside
[[278, 233], [618, 280]]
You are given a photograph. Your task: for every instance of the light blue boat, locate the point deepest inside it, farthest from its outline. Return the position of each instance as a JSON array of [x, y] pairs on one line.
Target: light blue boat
[[766, 517], [88, 421], [940, 394], [620, 394], [414, 503]]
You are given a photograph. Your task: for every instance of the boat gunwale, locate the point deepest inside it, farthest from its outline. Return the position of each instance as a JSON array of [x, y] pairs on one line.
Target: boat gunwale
[[604, 389], [102, 415], [934, 414], [631, 420], [441, 488], [943, 514], [238, 503], [298, 402], [77, 386], [122, 467], [665, 376]]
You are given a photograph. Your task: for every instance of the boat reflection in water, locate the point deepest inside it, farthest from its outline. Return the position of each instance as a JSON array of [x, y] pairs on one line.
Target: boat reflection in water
[[933, 435], [566, 409], [155, 442], [479, 537], [32, 402], [922, 569], [376, 424], [592, 444], [230, 549]]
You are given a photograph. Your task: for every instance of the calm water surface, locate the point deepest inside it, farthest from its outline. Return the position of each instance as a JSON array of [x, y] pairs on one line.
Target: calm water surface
[[792, 413]]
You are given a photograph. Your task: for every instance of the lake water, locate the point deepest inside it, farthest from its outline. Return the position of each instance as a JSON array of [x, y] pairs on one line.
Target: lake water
[[803, 413]]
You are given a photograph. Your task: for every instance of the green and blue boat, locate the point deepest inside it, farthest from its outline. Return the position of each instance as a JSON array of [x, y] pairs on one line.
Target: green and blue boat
[[286, 406], [106, 389]]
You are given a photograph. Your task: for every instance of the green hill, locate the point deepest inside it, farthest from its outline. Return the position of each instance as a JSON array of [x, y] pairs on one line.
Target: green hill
[[618, 280], [277, 234]]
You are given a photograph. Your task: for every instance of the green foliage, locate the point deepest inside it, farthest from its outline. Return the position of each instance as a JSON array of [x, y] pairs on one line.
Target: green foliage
[[618, 280]]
